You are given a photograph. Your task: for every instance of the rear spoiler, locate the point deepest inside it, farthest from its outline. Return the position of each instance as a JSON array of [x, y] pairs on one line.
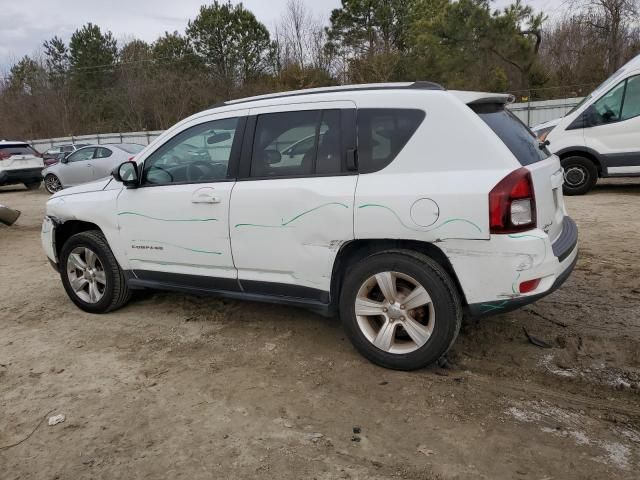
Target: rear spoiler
[[477, 98]]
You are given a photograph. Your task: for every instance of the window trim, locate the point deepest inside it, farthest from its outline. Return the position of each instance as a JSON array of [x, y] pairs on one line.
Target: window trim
[[234, 156], [244, 172]]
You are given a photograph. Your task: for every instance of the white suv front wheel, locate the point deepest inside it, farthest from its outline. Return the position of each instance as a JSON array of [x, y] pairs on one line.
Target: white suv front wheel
[[91, 274], [400, 309]]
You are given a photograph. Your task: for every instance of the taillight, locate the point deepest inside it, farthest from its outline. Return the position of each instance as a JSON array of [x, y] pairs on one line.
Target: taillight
[[512, 204], [4, 155]]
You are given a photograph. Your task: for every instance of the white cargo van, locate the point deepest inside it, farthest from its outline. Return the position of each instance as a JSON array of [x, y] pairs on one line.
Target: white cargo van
[[599, 137]]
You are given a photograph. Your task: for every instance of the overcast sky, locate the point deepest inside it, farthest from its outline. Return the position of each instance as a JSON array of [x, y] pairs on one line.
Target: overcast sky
[[28, 23]]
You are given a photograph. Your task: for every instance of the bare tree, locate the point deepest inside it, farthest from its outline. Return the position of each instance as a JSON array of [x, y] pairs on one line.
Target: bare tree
[[614, 20]]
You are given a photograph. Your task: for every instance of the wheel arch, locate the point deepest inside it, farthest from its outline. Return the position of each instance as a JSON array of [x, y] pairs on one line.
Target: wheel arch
[[585, 152], [66, 230], [355, 250]]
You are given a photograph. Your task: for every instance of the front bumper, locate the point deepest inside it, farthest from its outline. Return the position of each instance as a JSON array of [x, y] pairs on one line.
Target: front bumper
[[565, 249], [23, 175], [48, 237]]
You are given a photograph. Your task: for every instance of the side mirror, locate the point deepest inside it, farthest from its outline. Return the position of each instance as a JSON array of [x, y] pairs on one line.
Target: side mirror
[[272, 156], [64, 159], [127, 174]]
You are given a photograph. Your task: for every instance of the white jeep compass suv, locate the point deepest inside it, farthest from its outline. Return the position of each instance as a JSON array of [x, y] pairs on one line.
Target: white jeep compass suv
[[411, 205]]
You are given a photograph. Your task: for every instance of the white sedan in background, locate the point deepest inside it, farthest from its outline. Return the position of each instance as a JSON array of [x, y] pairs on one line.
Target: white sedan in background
[[87, 164]]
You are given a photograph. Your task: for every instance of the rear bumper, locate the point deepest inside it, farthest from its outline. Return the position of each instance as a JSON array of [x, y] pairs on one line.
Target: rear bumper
[[23, 175], [565, 250], [502, 306]]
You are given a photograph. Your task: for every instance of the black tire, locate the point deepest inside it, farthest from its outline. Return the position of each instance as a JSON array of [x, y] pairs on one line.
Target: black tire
[[48, 181], [580, 175], [116, 292], [444, 296], [33, 185]]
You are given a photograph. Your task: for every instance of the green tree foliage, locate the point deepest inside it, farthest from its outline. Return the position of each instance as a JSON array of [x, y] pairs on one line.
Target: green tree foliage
[[93, 56], [176, 53], [56, 59], [26, 77], [234, 45]]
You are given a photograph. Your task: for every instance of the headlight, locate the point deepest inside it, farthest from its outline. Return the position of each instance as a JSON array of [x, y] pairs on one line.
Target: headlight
[[543, 133]]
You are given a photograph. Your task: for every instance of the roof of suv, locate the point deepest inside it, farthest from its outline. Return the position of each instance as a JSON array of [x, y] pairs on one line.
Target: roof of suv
[[419, 85]]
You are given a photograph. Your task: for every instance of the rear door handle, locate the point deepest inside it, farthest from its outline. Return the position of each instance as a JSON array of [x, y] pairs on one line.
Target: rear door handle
[[205, 197]]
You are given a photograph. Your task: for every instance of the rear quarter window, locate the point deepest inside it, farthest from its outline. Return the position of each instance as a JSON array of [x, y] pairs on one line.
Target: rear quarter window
[[382, 133], [514, 134]]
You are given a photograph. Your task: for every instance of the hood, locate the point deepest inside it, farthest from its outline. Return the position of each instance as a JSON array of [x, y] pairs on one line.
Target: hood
[[549, 124], [84, 188]]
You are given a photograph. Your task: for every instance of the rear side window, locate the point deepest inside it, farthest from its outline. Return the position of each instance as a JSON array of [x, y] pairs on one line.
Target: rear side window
[[514, 134], [17, 149], [300, 143], [382, 133]]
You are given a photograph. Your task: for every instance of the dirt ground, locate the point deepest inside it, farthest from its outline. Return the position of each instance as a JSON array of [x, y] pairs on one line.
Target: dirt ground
[[177, 386]]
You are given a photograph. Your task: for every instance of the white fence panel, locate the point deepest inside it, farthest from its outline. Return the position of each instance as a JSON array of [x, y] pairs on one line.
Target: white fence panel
[[142, 138], [534, 113]]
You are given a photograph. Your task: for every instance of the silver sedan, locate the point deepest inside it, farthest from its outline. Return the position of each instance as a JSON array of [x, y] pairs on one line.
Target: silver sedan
[[87, 164]]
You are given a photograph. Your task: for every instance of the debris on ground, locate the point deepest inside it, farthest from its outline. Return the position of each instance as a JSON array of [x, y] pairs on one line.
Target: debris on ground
[[56, 419], [536, 341], [424, 450], [8, 216]]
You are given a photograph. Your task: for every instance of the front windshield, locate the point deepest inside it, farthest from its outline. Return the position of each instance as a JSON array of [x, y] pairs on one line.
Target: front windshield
[[597, 90]]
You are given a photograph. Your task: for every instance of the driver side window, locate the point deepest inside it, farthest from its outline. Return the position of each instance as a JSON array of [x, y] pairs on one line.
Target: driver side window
[[198, 154], [608, 108]]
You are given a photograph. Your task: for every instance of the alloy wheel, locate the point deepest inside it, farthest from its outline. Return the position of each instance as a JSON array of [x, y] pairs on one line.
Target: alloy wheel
[[52, 184], [86, 274], [394, 312]]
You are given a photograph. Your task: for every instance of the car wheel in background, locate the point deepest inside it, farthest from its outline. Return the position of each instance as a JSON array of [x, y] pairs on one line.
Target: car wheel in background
[[400, 309], [33, 185], [52, 183], [91, 274], [580, 175]]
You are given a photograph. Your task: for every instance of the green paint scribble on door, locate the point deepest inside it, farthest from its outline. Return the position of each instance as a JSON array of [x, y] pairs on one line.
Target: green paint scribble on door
[[287, 223], [168, 219]]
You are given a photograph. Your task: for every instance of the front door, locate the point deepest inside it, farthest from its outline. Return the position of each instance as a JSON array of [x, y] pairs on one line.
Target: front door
[[616, 133], [78, 168], [175, 227], [293, 208]]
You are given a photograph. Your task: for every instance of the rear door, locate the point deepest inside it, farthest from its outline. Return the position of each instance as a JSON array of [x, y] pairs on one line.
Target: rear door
[[292, 208], [545, 168]]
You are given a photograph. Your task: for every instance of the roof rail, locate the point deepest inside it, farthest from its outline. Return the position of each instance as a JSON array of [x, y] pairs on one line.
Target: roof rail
[[418, 85]]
